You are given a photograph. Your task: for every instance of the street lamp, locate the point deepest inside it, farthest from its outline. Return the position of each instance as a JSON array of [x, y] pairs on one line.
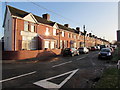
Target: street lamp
[[84, 34]]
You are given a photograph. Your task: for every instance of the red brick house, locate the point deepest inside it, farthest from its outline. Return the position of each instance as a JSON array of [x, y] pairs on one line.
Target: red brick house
[[26, 31]]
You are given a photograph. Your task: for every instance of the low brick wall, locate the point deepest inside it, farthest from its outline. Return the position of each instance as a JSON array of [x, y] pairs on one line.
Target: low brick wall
[[25, 54]]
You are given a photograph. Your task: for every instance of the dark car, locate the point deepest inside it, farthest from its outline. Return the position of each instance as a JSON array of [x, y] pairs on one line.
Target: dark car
[[105, 53], [83, 50], [70, 51], [93, 48], [102, 46]]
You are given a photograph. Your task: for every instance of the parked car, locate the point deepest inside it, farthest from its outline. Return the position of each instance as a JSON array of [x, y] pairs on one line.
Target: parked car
[[105, 53], [70, 51], [93, 48], [102, 46], [97, 47], [89, 48], [83, 50], [112, 49]]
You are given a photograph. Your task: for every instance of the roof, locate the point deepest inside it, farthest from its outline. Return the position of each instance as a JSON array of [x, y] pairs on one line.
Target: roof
[[21, 13]]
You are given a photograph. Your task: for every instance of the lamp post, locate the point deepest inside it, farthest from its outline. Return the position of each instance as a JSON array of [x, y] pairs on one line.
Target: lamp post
[[84, 34]]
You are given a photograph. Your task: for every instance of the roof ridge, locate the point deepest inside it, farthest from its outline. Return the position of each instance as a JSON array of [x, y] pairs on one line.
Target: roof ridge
[[22, 13], [17, 9]]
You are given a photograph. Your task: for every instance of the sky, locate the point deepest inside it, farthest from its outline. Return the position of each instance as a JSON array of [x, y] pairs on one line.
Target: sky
[[100, 18]]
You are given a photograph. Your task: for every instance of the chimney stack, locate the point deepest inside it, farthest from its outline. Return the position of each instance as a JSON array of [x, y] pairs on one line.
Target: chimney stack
[[90, 34], [78, 29], [46, 16], [66, 25]]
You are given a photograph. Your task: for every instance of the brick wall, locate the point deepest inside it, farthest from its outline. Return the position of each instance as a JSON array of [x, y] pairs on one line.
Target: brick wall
[[25, 54]]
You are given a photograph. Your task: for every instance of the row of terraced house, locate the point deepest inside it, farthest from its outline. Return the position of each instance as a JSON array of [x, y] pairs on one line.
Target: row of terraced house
[[26, 31]]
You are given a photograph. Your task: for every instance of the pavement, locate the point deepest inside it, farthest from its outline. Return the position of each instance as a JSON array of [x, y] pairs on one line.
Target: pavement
[[30, 60]]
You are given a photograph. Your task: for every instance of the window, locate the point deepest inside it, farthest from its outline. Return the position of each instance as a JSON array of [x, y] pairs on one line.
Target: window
[[69, 35], [25, 26], [47, 32], [61, 44], [74, 36], [52, 44], [33, 44], [54, 31], [63, 33], [24, 45], [46, 44], [28, 43], [32, 27]]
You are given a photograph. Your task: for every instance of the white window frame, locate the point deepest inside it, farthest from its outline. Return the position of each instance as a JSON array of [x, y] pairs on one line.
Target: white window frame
[[54, 31], [74, 36], [47, 31], [63, 33], [52, 44], [32, 27], [71, 35], [26, 26], [68, 35], [47, 44]]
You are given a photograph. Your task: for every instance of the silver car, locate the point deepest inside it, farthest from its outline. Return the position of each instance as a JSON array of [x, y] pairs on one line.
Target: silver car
[[83, 50]]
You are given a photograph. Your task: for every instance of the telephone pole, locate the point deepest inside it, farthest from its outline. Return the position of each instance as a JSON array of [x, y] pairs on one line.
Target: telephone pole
[[84, 34]]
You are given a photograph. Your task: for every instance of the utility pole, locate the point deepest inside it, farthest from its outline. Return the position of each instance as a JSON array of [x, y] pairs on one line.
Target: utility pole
[[84, 34]]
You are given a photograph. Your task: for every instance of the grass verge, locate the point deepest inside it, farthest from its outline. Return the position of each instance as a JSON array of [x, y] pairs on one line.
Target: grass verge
[[110, 79]]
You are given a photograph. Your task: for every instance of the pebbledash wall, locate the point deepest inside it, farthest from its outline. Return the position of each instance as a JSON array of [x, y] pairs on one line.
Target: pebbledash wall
[[26, 54]]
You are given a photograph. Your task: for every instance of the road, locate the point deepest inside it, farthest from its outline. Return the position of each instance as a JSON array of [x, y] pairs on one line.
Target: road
[[60, 72]]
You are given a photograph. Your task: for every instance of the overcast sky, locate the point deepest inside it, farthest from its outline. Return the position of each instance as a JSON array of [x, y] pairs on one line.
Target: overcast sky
[[100, 18]]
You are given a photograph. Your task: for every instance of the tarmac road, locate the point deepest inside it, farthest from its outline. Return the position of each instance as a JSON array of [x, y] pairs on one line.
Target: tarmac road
[[59, 72]]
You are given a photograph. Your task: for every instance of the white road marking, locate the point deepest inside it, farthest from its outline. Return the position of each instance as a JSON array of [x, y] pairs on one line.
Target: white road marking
[[49, 85], [80, 58], [61, 64], [17, 77]]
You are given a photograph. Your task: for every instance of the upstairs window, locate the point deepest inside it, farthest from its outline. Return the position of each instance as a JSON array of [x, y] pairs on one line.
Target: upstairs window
[[63, 33], [32, 27], [54, 31], [47, 32], [74, 36], [69, 35], [25, 26]]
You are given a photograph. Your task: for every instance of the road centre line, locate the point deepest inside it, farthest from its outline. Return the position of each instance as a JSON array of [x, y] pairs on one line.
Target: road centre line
[[17, 76], [61, 64]]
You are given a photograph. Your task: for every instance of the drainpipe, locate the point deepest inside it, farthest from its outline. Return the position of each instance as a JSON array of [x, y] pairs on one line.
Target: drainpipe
[[14, 33]]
